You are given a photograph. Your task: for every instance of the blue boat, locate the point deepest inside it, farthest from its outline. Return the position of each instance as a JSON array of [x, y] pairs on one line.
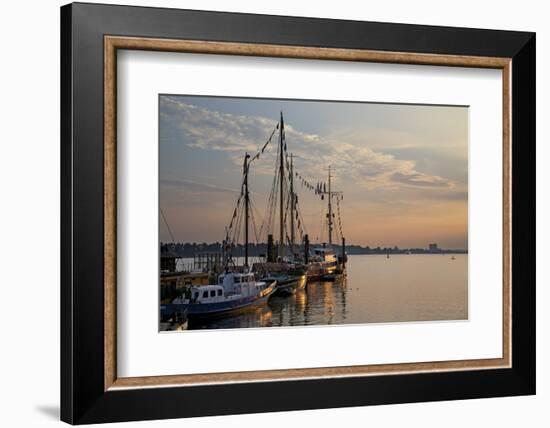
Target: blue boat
[[234, 292]]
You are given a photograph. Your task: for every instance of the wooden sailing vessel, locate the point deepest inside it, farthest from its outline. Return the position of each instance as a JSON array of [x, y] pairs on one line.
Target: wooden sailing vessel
[[284, 266], [288, 261]]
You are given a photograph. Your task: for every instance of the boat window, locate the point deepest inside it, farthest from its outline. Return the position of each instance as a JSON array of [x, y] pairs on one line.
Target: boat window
[[205, 294], [237, 279], [212, 293], [195, 295], [219, 292]]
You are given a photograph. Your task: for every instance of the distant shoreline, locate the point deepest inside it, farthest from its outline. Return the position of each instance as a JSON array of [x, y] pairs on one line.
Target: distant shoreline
[[190, 250]]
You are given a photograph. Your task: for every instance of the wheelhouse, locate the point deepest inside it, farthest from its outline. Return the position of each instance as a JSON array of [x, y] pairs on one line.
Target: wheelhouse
[[325, 254], [207, 294]]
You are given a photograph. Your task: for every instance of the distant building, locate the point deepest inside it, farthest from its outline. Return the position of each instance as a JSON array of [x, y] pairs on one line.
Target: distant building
[[433, 248]]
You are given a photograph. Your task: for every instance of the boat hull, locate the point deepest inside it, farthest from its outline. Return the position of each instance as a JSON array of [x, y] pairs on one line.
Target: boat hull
[[318, 271], [289, 287], [218, 308]]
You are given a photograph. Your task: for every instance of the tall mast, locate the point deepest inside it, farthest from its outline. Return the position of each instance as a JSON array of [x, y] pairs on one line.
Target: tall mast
[[281, 200], [292, 201], [329, 209], [246, 212]]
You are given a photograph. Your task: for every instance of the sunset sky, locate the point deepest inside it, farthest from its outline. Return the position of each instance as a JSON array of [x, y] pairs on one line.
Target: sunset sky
[[403, 168]]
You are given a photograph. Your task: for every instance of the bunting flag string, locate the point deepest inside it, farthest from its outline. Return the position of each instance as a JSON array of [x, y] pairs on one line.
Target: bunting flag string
[[339, 215], [319, 188], [262, 150]]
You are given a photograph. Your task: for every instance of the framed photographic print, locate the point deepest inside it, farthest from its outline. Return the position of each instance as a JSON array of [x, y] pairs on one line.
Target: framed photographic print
[[266, 213]]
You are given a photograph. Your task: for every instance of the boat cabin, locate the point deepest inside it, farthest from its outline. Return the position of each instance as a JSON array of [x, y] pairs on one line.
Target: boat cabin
[[243, 284], [325, 254], [207, 294], [230, 286]]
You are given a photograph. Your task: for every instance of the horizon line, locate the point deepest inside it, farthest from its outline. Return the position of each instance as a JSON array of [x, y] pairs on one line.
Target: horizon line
[[326, 243]]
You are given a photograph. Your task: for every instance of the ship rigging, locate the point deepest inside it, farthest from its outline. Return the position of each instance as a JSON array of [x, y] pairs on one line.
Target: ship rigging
[[283, 205]]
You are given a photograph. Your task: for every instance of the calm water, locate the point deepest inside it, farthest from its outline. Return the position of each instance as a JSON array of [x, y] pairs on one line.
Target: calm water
[[377, 289]]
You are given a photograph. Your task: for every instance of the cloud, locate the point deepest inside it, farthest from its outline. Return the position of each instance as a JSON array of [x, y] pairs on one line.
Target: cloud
[[195, 186], [212, 130], [414, 178]]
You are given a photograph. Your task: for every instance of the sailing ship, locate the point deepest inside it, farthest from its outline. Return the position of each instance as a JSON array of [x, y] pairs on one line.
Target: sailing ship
[[287, 262], [283, 263]]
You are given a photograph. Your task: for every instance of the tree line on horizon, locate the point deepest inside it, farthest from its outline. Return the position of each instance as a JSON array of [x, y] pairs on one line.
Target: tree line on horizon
[[189, 249]]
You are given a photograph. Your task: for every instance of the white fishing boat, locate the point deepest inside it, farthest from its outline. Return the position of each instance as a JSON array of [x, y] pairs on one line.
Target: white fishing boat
[[233, 292], [323, 262]]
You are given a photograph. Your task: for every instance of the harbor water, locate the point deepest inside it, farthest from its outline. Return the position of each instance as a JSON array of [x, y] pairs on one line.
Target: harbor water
[[401, 288]]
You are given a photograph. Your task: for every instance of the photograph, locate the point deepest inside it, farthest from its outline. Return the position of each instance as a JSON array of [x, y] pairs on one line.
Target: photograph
[[283, 213]]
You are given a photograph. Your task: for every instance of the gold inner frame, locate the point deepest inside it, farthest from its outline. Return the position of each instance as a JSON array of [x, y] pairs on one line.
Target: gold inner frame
[[113, 43]]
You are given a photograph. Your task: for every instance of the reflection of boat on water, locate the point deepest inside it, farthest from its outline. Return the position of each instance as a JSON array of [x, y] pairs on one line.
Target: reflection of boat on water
[[333, 277], [175, 321], [234, 292]]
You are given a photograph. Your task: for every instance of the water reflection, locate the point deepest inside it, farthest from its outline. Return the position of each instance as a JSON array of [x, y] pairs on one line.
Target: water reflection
[[316, 303], [400, 289]]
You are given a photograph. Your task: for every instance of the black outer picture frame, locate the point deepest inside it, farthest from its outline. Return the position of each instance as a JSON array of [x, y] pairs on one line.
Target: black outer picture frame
[[83, 399]]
